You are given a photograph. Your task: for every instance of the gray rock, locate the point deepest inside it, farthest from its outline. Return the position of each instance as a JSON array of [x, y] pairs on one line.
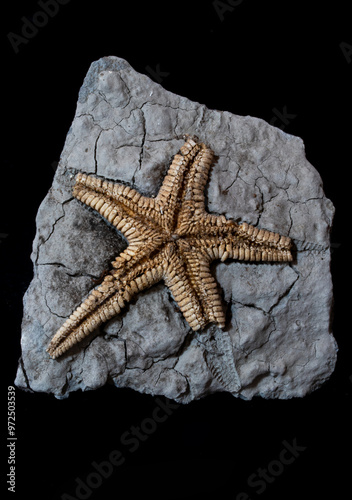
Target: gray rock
[[277, 342]]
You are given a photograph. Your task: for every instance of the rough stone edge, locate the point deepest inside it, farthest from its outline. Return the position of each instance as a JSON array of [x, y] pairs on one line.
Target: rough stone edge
[[114, 63]]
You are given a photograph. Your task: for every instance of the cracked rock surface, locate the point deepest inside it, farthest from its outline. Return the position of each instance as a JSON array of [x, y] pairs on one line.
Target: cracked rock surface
[[277, 342]]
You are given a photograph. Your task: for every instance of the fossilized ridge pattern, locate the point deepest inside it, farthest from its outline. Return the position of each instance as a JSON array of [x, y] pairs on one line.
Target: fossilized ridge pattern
[[170, 237]]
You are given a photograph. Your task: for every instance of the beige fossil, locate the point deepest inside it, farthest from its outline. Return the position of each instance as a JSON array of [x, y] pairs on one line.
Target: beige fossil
[[170, 237]]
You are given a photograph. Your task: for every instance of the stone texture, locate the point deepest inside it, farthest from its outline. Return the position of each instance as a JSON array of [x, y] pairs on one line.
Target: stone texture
[[277, 342]]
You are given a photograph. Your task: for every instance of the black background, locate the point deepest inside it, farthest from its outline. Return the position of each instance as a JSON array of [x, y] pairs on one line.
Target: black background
[[257, 57]]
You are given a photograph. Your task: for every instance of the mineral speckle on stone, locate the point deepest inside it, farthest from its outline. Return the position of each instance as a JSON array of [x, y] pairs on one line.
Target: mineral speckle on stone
[[277, 341]]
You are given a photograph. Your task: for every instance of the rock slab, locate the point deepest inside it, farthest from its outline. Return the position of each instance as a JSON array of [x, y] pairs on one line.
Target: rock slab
[[277, 342]]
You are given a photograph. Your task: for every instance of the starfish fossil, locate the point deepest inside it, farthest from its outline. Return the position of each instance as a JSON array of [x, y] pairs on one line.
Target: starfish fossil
[[170, 237]]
